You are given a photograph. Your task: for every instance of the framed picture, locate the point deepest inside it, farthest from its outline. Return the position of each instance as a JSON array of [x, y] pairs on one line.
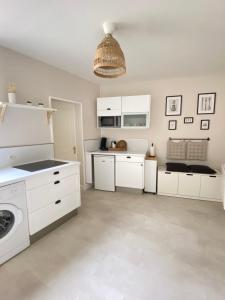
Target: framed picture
[[188, 120], [205, 124], [173, 105], [172, 125], [206, 103]]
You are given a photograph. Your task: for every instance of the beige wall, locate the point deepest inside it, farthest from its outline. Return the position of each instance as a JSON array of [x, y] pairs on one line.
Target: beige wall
[[37, 81], [158, 132]]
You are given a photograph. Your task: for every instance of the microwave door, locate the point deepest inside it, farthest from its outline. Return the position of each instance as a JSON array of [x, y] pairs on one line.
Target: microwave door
[[107, 121]]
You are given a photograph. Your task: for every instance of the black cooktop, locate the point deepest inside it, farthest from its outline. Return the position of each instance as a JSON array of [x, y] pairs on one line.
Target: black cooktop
[[40, 165]]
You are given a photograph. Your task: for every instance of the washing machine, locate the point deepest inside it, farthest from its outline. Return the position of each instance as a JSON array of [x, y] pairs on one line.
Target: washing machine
[[14, 232]]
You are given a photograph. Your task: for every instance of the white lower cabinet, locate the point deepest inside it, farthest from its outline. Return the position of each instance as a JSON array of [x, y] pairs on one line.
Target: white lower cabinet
[[211, 187], [189, 184], [167, 183], [52, 198], [130, 172]]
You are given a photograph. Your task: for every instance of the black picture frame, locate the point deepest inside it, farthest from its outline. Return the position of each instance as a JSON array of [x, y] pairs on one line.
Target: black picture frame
[[168, 110], [170, 127], [188, 120], [202, 126], [210, 99]]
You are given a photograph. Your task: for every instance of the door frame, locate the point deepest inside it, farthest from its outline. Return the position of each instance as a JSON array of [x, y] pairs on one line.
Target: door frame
[[50, 99]]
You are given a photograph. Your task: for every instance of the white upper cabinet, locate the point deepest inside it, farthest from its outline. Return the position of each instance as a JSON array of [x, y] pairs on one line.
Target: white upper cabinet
[[136, 104], [109, 106]]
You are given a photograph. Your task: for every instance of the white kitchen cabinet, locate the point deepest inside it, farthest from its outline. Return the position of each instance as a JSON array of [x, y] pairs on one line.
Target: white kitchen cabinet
[[136, 104], [104, 172], [130, 171], [51, 195], [109, 106], [189, 184], [150, 175], [167, 182], [211, 186]]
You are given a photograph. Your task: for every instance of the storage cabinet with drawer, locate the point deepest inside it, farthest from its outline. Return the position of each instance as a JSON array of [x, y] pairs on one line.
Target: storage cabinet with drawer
[[190, 185], [51, 195], [109, 106], [130, 171]]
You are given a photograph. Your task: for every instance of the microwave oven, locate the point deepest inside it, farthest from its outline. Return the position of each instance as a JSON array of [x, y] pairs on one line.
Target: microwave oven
[[109, 121]]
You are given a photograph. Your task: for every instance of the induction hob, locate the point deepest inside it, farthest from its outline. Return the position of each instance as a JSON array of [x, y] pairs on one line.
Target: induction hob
[[40, 165]]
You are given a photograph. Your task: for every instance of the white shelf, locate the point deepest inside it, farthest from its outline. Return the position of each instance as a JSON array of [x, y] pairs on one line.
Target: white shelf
[[5, 105]]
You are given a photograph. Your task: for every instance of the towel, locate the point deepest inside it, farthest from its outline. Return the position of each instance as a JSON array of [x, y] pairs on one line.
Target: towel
[[176, 150], [197, 150]]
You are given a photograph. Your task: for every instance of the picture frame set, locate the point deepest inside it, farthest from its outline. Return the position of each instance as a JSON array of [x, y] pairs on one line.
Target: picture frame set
[[206, 104]]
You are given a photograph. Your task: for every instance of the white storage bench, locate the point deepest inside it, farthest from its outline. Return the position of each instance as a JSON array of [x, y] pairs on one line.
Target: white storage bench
[[190, 185]]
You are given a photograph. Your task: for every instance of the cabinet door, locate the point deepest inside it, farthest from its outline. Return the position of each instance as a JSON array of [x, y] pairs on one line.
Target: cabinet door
[[167, 183], [130, 175], [211, 187], [135, 104], [110, 106], [131, 120], [189, 184]]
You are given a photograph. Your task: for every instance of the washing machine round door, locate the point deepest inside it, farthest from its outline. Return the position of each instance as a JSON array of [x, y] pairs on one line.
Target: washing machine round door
[[10, 218]]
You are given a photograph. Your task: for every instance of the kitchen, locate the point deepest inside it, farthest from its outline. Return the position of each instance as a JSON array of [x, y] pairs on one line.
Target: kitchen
[[111, 186]]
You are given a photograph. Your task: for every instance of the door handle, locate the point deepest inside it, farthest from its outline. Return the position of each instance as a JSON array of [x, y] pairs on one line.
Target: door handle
[[128, 156], [74, 149], [58, 201], [214, 176], [167, 172], [108, 108], [57, 182], [56, 173], [189, 174]]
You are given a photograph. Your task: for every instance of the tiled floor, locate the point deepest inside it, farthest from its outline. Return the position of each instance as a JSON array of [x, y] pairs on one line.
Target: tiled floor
[[125, 246]]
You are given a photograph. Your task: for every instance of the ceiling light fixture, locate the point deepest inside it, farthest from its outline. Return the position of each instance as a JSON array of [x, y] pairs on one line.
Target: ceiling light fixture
[[109, 59]]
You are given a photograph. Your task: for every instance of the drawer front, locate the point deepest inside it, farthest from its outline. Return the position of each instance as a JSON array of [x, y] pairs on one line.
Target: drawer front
[[189, 184], [47, 215], [130, 158], [109, 103], [211, 187], [46, 194], [167, 183], [108, 113], [49, 177]]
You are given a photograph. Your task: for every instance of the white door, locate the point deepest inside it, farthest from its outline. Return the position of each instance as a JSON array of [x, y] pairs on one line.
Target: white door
[[64, 130], [130, 174], [104, 172]]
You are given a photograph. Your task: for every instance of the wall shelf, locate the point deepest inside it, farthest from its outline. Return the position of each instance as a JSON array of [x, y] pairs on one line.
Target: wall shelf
[[5, 105]]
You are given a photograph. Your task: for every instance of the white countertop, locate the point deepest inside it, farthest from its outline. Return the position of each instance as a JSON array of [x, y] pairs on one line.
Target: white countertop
[[100, 152], [11, 175]]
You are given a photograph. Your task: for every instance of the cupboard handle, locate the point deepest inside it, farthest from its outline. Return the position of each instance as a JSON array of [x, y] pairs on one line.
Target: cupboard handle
[[58, 201], [128, 156], [167, 172], [214, 176], [189, 174], [56, 173], [57, 182], [108, 108]]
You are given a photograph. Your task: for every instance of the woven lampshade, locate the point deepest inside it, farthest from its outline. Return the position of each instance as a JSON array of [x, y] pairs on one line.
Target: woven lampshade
[[109, 60]]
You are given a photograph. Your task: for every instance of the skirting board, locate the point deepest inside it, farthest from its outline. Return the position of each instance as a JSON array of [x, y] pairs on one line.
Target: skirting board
[[189, 197]]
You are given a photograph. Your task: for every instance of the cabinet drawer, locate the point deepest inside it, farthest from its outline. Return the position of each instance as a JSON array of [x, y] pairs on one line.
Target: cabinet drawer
[[48, 193], [129, 158], [189, 184], [47, 215], [109, 103], [211, 187], [51, 176], [167, 182]]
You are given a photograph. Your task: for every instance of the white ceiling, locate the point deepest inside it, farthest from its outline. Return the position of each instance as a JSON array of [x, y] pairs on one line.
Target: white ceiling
[[160, 38]]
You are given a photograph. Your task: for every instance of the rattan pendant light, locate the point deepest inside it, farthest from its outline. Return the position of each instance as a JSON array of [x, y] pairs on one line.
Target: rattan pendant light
[[109, 60]]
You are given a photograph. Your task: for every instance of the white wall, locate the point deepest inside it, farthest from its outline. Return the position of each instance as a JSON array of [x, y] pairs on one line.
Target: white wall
[[36, 81], [158, 132]]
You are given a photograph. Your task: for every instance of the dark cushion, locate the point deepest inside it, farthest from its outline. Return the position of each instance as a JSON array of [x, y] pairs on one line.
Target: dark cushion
[[176, 167], [200, 169]]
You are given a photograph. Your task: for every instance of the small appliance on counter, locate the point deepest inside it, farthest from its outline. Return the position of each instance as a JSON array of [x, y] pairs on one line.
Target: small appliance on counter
[[152, 150], [103, 144]]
